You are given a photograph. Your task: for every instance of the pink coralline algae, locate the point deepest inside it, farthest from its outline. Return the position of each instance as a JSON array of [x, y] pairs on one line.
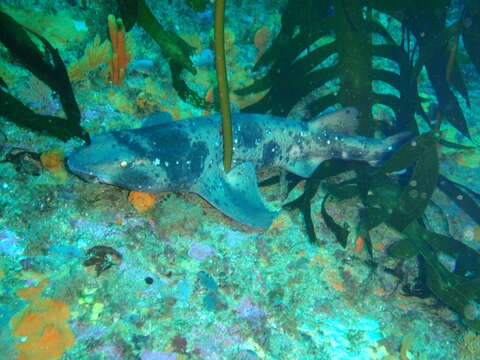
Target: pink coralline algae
[[200, 252], [246, 310], [157, 355], [214, 344]]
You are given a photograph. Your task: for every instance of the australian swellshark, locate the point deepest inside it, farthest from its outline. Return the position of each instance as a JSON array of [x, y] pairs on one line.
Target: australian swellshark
[[187, 155]]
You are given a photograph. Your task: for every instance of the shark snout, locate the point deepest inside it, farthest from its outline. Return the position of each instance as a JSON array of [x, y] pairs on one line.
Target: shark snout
[[74, 165]]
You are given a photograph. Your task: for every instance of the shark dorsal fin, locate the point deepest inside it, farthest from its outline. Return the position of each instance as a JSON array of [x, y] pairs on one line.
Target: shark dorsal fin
[[158, 118], [341, 121]]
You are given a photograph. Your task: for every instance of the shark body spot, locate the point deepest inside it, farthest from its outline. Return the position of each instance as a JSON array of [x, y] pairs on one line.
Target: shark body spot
[[249, 134], [270, 152]]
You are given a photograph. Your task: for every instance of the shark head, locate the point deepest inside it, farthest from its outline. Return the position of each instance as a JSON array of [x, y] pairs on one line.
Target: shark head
[[149, 159], [113, 159]]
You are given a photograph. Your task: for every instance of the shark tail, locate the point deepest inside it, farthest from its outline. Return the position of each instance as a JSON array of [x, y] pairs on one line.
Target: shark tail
[[397, 140], [391, 143]]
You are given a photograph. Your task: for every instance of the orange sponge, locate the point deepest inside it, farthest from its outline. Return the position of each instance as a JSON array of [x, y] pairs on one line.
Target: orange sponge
[[141, 201], [48, 343], [52, 160], [32, 292], [44, 323]]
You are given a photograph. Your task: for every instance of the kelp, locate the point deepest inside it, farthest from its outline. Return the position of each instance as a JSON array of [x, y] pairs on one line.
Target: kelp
[[411, 200], [462, 197], [296, 64], [222, 82], [326, 169], [305, 41], [17, 112], [176, 50], [17, 40], [458, 289], [416, 195], [340, 233], [471, 29], [197, 5], [402, 207], [426, 21], [296, 67]]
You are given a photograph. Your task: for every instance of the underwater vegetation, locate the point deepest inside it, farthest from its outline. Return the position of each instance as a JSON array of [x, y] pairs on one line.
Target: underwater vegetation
[[313, 33], [174, 48], [48, 67], [53, 73], [336, 45], [222, 81]]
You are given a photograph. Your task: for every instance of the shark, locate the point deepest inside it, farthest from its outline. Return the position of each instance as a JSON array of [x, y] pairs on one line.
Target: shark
[[187, 156]]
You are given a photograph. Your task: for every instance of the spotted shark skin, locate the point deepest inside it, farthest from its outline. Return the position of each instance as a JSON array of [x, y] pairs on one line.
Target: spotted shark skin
[[187, 156]]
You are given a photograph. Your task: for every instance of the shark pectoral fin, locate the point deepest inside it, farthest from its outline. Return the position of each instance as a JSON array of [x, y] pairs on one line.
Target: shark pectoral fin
[[236, 194], [304, 167]]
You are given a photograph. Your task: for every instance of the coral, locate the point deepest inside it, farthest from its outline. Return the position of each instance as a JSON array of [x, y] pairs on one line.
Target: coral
[[359, 244], [38, 95], [141, 201], [146, 103], [121, 56], [44, 323], [121, 102], [95, 54]]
